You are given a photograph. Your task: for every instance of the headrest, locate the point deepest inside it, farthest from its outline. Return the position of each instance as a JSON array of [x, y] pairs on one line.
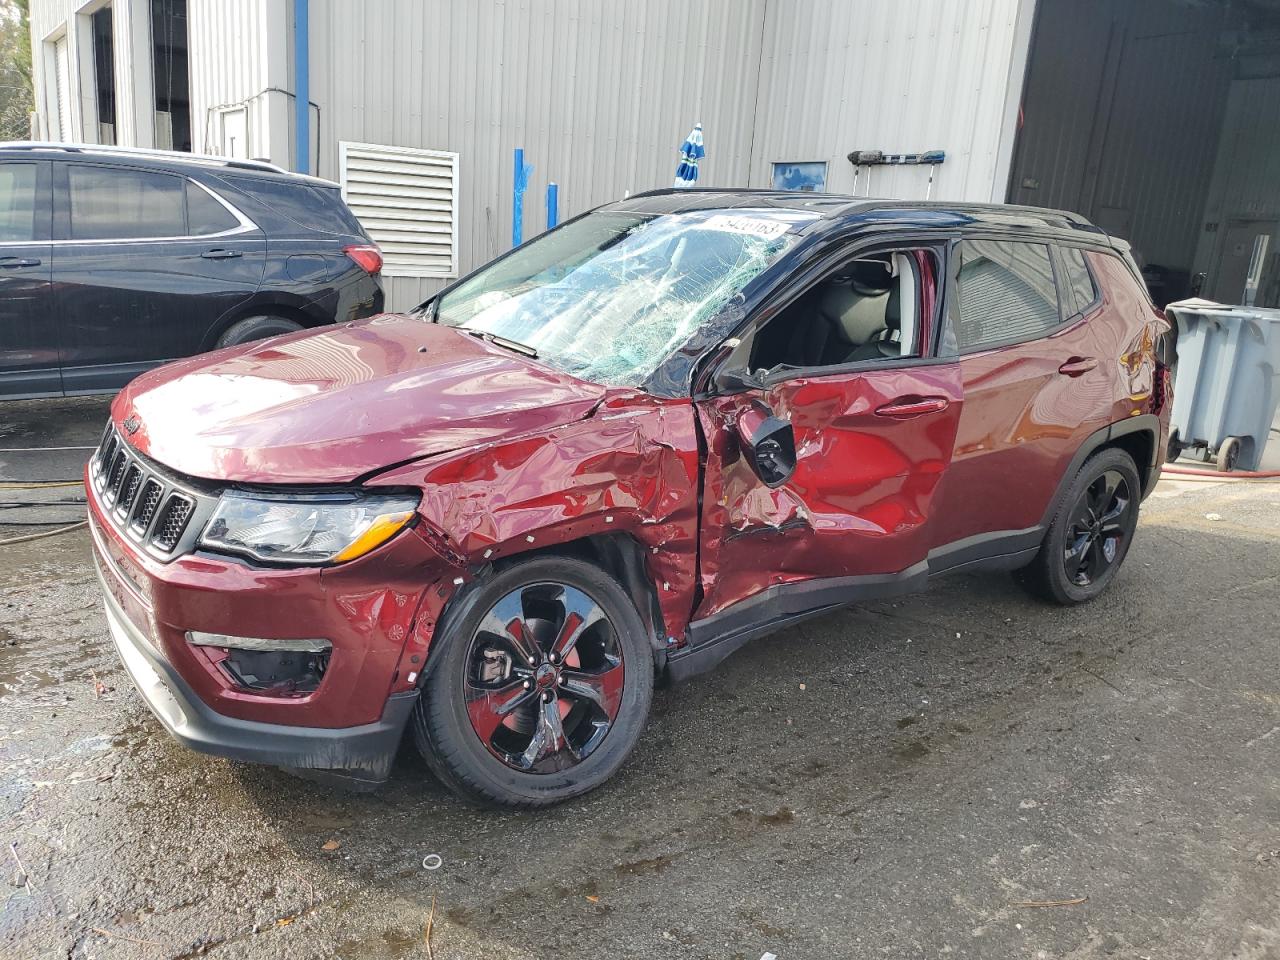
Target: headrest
[[871, 278]]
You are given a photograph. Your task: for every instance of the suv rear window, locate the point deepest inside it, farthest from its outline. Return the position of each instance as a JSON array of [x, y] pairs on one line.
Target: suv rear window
[[1006, 293], [316, 208]]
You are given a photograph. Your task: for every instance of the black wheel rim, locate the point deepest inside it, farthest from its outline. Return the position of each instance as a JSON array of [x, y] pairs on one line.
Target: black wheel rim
[[1100, 524], [544, 678]]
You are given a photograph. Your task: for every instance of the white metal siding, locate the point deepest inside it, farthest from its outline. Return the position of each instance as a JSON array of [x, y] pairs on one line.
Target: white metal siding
[[902, 77], [600, 94], [407, 200], [239, 61]]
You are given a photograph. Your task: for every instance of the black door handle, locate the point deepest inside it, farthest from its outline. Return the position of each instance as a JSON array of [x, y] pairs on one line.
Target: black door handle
[[219, 254], [8, 263]]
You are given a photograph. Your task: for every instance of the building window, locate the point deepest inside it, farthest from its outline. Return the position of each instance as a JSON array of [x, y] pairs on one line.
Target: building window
[[170, 74], [407, 200], [104, 73], [809, 176], [58, 87]]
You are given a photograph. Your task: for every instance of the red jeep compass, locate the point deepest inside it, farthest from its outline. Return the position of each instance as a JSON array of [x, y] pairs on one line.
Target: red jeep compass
[[622, 450]]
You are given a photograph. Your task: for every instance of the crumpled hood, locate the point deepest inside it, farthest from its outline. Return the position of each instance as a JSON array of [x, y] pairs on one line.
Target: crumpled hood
[[329, 406]]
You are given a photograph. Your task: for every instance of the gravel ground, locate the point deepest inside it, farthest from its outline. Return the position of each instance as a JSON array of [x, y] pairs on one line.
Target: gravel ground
[[902, 779]]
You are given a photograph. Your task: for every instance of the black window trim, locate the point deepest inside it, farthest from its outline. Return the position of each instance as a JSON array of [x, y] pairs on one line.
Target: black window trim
[[62, 208], [1064, 322], [800, 281]]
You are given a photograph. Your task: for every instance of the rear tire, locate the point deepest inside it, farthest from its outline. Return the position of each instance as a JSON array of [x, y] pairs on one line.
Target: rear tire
[[1090, 534], [257, 328], [515, 714]]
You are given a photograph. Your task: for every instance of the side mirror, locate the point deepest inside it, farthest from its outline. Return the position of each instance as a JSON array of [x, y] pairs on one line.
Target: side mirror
[[770, 445]]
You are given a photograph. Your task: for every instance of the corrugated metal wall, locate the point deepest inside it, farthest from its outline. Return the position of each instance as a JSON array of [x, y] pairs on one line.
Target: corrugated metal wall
[[1246, 180], [601, 92], [599, 95], [893, 76], [239, 57], [1123, 108]]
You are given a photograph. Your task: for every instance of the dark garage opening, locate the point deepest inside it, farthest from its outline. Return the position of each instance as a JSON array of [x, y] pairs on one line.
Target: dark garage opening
[[104, 73], [172, 85], [1159, 120]]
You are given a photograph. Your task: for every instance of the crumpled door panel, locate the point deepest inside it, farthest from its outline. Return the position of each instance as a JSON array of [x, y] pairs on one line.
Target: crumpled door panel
[[860, 499]]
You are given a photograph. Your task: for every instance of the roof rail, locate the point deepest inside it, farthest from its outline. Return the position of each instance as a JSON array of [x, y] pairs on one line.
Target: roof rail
[[142, 152]]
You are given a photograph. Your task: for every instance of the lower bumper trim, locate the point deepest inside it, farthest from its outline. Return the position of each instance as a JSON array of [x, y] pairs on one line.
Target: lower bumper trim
[[358, 756]]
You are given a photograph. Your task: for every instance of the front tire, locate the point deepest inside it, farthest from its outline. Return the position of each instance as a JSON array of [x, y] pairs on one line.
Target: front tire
[[1090, 535], [540, 688]]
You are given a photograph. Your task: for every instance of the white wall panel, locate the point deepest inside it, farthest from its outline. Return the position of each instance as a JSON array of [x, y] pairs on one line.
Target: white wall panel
[[239, 57], [599, 93], [901, 77]]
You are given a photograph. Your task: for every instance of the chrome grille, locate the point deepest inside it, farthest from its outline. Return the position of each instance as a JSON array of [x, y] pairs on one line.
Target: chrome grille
[[161, 511]]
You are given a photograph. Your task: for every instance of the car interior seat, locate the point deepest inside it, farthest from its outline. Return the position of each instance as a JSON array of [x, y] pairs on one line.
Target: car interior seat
[[856, 311]]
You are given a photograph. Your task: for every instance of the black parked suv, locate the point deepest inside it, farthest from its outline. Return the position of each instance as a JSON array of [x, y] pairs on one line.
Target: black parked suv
[[114, 260]]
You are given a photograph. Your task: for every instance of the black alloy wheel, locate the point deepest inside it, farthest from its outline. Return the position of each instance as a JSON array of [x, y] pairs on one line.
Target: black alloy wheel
[[1090, 534], [544, 677], [1098, 526], [538, 684]]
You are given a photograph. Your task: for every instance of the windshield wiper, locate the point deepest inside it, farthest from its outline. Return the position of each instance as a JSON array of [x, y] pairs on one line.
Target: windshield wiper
[[513, 345]]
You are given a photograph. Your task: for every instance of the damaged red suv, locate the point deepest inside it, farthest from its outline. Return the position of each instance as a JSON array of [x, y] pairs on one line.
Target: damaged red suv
[[618, 452]]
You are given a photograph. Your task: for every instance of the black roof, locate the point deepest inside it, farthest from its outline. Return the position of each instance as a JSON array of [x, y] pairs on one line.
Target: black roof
[[871, 210], [157, 159]]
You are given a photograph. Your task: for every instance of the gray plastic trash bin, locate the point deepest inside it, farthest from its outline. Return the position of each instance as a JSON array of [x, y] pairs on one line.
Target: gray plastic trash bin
[[1227, 382]]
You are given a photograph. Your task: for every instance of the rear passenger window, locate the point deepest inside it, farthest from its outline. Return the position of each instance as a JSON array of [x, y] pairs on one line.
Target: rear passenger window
[[1078, 282], [1006, 293], [119, 204], [17, 201], [205, 215]]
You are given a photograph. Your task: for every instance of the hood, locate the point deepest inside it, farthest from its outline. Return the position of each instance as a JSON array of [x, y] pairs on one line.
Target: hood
[[331, 406]]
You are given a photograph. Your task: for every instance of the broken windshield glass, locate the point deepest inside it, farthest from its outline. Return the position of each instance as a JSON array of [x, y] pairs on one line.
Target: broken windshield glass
[[609, 296]]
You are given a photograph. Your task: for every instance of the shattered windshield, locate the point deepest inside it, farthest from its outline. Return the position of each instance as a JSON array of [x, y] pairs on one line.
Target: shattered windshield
[[609, 296]]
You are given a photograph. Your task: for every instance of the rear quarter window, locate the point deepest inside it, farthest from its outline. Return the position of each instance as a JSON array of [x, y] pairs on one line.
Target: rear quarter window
[[1079, 290], [309, 206]]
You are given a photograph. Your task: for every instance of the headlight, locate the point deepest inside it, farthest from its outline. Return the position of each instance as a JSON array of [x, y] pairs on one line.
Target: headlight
[[306, 528]]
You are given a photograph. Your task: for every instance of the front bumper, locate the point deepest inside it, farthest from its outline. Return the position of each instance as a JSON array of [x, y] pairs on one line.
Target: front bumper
[[361, 755]]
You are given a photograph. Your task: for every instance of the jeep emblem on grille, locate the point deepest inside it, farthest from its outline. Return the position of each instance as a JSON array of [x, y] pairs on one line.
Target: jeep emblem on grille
[[131, 425]]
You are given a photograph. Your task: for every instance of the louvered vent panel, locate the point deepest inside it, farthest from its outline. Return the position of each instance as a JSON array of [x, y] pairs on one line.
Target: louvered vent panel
[[407, 200]]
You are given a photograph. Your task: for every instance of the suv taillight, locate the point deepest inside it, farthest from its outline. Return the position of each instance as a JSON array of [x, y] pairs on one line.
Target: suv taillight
[[367, 257]]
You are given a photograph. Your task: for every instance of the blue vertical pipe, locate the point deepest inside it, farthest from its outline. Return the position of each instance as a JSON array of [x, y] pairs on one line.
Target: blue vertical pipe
[[302, 85], [553, 205], [521, 182]]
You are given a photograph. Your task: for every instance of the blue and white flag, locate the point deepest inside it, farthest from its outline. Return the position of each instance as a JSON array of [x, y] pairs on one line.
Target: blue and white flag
[[691, 151]]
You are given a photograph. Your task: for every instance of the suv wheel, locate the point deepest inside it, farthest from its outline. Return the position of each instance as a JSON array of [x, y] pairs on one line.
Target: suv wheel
[[541, 687], [256, 328], [1090, 535]]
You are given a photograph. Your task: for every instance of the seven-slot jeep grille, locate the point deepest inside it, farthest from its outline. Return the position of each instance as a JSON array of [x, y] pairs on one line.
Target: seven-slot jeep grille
[[156, 509]]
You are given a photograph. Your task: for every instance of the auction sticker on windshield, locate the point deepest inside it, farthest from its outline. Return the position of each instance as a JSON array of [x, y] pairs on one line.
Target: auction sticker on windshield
[[755, 226]]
